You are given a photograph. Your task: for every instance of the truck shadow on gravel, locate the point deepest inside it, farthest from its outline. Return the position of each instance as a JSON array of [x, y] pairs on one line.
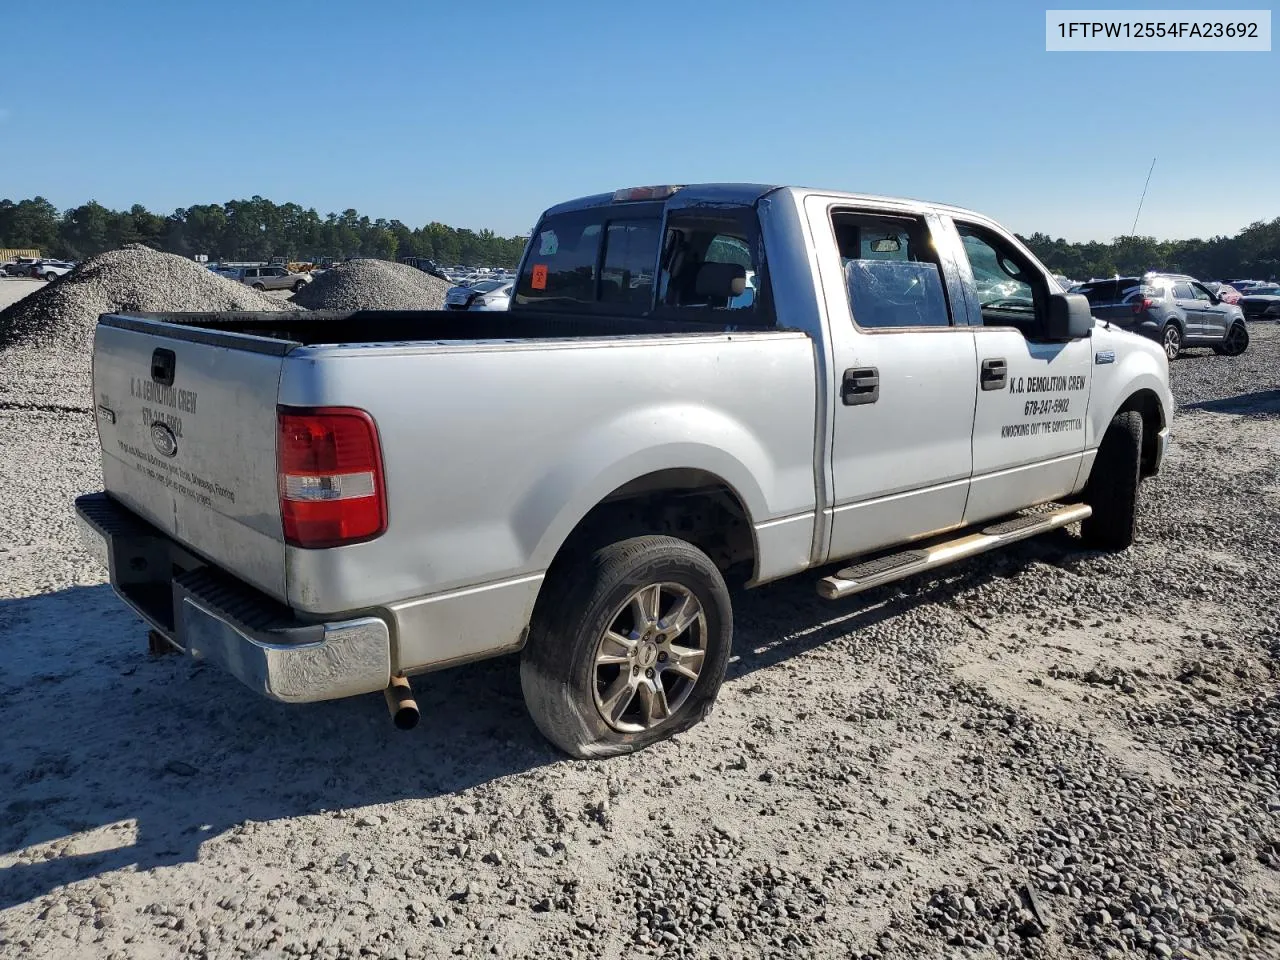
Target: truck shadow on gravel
[[1264, 404], [119, 760]]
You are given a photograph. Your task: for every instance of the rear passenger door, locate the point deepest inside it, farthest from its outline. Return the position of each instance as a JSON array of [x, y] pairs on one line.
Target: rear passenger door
[[905, 375], [1033, 394]]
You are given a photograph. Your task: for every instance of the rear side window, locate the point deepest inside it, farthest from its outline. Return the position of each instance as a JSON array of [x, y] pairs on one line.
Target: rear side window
[[713, 264], [1182, 291], [892, 276], [563, 262]]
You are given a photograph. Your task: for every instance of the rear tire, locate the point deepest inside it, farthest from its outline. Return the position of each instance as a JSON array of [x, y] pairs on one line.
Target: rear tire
[[627, 646], [1171, 338], [1112, 489], [1236, 343], [259, 287]]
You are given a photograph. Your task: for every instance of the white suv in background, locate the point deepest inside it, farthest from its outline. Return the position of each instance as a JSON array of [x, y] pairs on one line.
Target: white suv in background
[[267, 278]]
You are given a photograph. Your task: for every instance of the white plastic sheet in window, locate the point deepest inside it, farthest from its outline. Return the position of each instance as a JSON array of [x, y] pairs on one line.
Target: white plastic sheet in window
[[895, 293]]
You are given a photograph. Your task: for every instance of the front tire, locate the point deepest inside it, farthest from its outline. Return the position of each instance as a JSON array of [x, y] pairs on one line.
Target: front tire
[[299, 286], [50, 277], [1172, 341], [1236, 343], [1112, 489], [627, 646]]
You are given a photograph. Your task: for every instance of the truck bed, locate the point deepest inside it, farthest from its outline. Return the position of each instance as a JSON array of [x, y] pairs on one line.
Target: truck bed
[[407, 326]]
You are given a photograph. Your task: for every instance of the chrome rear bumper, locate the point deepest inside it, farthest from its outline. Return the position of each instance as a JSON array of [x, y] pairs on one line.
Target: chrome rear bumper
[[211, 615]]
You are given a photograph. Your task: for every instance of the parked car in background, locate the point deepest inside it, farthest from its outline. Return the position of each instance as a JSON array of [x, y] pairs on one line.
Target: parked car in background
[[267, 278], [51, 269], [1243, 285], [1176, 310], [20, 266], [1261, 302], [1223, 291], [426, 265], [480, 295]]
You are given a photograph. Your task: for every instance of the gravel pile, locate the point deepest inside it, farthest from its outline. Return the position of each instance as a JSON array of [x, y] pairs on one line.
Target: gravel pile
[[1040, 753], [136, 278], [373, 285]]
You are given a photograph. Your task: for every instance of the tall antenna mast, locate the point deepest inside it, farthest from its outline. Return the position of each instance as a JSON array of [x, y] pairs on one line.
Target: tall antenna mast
[[1133, 231]]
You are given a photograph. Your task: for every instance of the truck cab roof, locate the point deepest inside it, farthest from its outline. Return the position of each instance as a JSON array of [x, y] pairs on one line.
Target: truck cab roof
[[745, 194]]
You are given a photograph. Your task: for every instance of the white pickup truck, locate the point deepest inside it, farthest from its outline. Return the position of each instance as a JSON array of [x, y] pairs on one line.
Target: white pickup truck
[[694, 386]]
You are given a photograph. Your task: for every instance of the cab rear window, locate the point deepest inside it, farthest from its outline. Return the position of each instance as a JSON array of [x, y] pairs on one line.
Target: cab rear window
[[562, 262], [620, 259]]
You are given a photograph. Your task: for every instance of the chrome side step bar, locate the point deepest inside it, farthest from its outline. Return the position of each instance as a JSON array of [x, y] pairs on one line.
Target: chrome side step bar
[[882, 570]]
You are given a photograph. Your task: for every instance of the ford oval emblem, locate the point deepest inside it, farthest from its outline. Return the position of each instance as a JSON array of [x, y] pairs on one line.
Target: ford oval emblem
[[164, 439]]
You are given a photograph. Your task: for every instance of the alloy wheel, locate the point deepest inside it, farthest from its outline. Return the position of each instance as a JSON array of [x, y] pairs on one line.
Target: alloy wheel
[[650, 656]]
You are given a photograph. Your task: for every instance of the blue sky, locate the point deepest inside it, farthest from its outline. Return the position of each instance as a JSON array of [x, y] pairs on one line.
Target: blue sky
[[481, 114]]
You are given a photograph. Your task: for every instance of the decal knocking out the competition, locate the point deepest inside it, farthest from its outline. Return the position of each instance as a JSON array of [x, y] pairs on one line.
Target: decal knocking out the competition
[[1057, 407]]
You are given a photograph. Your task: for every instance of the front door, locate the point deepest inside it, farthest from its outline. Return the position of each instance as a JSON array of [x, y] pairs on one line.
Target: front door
[[1029, 425], [1213, 316], [1185, 297], [905, 376]]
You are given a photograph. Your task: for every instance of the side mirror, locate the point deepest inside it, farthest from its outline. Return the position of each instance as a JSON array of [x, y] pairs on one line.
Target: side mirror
[[1070, 317], [721, 281]]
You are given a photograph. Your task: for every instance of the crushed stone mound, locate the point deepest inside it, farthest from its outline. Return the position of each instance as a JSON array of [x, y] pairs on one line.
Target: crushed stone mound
[[135, 278], [373, 285]]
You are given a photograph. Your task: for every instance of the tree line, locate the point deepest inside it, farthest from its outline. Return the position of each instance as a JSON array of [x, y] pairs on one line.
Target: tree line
[[1253, 253], [254, 229], [258, 229]]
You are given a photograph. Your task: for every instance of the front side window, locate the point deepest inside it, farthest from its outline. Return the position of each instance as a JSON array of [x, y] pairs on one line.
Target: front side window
[[1011, 291], [892, 275], [1201, 293]]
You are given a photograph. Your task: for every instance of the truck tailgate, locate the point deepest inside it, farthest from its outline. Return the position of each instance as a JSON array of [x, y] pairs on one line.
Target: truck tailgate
[[188, 432]]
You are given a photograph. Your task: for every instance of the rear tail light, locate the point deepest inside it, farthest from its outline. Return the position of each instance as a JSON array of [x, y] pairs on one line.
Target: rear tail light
[[330, 475], [1146, 303]]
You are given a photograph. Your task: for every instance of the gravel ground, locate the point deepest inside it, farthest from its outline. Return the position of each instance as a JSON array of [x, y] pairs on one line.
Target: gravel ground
[[1042, 753], [135, 278], [373, 285], [46, 329]]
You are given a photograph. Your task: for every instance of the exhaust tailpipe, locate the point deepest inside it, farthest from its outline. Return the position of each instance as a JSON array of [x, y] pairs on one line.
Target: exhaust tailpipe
[[400, 703]]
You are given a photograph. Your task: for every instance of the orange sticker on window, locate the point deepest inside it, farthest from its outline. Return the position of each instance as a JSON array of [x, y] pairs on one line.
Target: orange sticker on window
[[539, 279]]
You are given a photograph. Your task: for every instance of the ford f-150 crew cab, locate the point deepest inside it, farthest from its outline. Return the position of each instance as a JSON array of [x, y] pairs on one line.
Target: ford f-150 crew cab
[[694, 386]]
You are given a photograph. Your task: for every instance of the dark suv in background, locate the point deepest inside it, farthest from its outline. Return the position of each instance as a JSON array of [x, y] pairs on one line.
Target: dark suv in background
[[1175, 310]]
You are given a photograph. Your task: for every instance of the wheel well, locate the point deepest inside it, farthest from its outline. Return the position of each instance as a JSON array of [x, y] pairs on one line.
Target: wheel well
[[1148, 405], [693, 505]]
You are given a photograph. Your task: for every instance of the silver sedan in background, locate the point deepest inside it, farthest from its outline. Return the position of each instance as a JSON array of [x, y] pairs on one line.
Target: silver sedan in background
[[483, 295]]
